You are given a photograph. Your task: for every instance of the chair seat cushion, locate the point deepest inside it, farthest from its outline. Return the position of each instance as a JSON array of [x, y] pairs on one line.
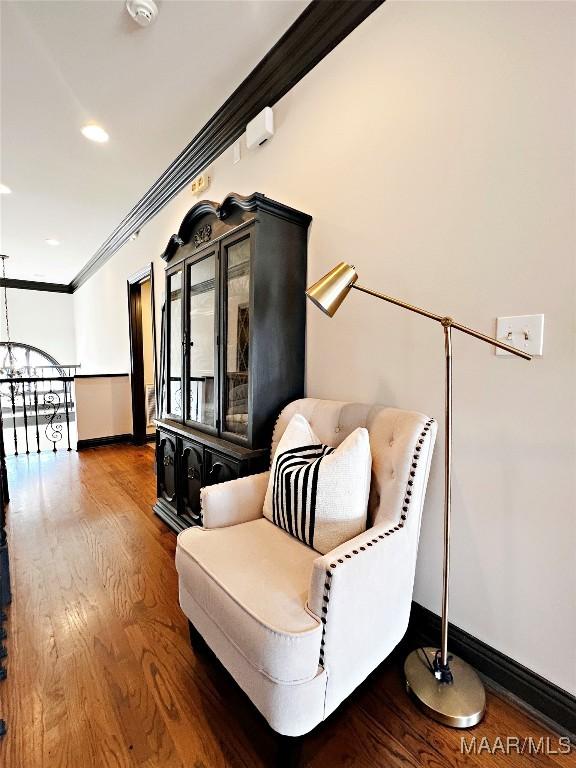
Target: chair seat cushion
[[252, 580]]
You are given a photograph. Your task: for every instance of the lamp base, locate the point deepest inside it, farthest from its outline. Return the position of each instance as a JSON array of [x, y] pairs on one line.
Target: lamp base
[[459, 704]]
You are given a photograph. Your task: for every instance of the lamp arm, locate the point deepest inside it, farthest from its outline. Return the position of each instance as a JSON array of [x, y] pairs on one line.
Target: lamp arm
[[399, 303], [493, 342], [445, 321]]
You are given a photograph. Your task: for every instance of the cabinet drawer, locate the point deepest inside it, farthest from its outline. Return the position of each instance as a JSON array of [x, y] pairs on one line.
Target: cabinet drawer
[[219, 468]]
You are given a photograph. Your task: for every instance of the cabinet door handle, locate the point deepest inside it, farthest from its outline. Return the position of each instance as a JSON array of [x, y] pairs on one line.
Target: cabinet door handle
[[168, 460], [216, 467], [194, 473]]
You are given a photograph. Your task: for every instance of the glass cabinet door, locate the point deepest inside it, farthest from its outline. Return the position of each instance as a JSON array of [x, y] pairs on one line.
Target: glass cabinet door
[[174, 342], [202, 357], [236, 353]]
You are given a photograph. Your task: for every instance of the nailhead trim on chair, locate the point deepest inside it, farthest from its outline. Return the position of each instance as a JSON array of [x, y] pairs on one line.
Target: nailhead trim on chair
[[407, 496], [201, 514]]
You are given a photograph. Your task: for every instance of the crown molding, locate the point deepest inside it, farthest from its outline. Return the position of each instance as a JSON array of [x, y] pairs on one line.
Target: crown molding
[[33, 285]]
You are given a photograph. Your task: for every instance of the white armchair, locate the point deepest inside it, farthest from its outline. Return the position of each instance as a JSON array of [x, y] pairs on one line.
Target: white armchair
[[297, 630]]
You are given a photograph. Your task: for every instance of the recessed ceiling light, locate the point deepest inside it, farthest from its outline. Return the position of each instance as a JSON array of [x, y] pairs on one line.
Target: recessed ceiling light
[[4, 190], [95, 133], [52, 241]]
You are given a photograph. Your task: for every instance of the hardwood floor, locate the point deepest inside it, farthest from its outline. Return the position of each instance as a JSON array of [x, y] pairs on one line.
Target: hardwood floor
[[101, 673]]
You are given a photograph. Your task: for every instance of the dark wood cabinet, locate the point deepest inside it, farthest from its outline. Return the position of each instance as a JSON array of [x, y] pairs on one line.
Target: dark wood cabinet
[[187, 460], [233, 344]]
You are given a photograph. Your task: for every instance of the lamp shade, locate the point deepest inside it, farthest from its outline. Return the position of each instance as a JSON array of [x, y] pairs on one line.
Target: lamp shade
[[331, 290]]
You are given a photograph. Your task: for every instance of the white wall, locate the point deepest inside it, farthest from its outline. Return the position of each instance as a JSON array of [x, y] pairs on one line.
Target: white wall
[[103, 406], [42, 319], [435, 149]]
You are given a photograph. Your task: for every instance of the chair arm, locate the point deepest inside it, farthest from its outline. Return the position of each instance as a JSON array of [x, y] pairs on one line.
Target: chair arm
[[234, 502], [362, 593]]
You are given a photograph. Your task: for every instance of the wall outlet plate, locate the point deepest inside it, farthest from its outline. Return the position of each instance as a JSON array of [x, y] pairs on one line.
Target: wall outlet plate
[[525, 332]]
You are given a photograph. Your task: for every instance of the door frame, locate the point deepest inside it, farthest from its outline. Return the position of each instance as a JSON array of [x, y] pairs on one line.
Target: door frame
[[134, 282]]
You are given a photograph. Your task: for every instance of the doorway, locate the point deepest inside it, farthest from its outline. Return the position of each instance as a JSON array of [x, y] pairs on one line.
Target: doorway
[[142, 353]]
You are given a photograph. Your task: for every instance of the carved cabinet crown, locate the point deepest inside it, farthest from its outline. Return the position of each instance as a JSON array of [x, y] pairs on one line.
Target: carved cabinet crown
[[208, 220]]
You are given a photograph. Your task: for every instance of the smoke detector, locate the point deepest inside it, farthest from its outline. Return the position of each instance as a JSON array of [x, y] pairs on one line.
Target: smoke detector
[[143, 12]]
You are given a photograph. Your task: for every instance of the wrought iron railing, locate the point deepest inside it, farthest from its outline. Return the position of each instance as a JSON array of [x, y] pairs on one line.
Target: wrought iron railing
[[39, 371], [34, 412]]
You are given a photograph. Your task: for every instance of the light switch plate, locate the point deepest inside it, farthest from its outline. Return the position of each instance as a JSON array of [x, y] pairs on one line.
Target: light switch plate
[[525, 332]]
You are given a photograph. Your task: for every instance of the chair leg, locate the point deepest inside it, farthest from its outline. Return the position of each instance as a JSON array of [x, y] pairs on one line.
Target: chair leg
[[289, 753], [289, 748], [196, 640]]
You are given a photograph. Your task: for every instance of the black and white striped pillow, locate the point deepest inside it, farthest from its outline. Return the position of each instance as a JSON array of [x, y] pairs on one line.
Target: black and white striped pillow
[[295, 491], [317, 493]]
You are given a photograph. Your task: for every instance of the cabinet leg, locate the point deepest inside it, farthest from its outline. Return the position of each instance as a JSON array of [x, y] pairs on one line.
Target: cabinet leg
[[289, 754]]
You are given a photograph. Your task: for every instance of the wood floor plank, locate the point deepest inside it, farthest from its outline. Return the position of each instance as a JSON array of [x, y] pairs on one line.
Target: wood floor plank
[[101, 673], [385, 699]]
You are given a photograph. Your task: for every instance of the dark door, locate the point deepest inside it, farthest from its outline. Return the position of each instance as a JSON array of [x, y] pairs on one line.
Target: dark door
[[142, 352], [191, 479], [166, 467]]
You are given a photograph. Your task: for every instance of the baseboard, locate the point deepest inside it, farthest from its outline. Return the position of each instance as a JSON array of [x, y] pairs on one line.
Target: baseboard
[[545, 698], [144, 440], [95, 442]]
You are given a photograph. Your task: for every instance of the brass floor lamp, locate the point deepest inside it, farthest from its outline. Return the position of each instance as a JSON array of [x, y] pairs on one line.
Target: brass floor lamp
[[444, 686]]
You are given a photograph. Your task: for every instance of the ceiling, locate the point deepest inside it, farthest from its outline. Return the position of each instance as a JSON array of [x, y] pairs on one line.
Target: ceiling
[[65, 63]]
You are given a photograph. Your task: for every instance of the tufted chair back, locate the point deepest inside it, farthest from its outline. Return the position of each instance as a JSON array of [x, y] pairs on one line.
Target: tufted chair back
[[394, 436]]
